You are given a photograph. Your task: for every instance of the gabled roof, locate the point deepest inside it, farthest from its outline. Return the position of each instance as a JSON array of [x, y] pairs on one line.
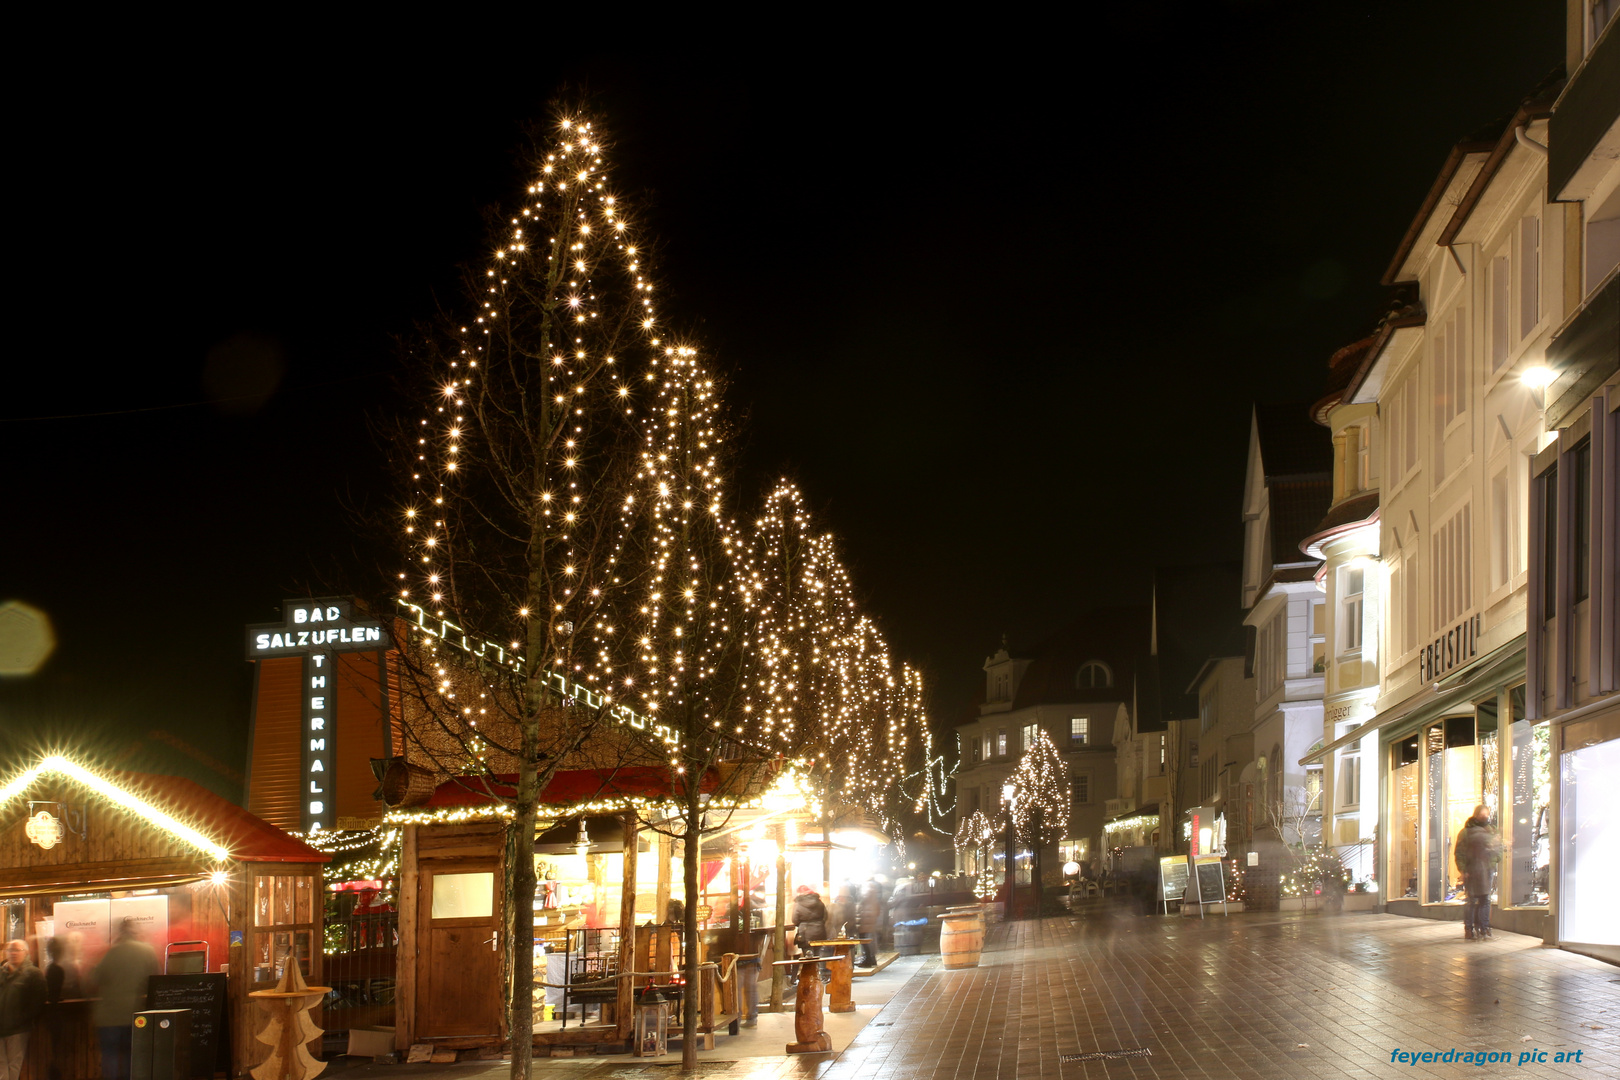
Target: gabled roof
[[189, 812], [1118, 636], [1291, 442], [1297, 506]]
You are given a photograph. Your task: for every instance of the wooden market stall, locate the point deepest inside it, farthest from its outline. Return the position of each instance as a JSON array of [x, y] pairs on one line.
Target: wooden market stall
[[220, 895]]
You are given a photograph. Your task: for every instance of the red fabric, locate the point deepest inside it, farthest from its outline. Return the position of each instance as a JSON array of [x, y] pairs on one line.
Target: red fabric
[[246, 837], [567, 786]]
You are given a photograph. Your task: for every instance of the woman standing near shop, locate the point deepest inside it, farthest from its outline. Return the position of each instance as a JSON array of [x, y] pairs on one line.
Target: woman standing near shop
[[1476, 852]]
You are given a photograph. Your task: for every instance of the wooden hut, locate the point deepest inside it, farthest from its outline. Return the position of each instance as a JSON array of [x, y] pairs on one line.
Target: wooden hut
[[214, 890]]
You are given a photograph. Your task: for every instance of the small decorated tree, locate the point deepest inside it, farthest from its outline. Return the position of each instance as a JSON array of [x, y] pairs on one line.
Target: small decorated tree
[[1042, 795]]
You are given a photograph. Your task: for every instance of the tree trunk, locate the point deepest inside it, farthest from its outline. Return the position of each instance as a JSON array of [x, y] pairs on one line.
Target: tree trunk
[[691, 998], [519, 916], [1038, 863]]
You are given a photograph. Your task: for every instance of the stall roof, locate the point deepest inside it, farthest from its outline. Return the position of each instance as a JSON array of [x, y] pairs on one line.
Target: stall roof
[[190, 812], [567, 787]]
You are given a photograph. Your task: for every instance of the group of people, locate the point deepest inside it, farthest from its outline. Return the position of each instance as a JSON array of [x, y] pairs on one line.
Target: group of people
[[26, 992], [856, 912]]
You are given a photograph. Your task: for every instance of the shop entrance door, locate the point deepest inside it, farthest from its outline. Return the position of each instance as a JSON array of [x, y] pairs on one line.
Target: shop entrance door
[[460, 946]]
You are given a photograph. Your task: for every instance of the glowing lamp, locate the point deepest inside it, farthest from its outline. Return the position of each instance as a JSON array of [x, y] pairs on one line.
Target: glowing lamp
[[1071, 868], [1539, 377]]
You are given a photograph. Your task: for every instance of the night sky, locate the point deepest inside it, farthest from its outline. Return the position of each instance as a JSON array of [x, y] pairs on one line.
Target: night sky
[[999, 300]]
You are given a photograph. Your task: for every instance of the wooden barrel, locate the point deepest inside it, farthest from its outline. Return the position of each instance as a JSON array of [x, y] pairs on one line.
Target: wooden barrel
[[961, 939]]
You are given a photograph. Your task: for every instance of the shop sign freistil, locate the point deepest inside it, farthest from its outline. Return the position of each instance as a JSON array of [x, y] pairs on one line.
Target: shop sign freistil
[[315, 630], [1450, 650]]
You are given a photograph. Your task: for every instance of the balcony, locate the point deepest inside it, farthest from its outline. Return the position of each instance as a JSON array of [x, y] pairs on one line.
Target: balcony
[[1586, 117], [1586, 351]]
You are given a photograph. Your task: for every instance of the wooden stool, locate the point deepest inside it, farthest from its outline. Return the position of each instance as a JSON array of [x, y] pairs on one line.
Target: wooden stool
[[807, 1017], [842, 965]]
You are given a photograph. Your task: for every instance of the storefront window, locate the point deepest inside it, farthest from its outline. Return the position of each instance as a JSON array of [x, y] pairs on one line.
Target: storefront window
[[1453, 761], [1590, 863], [1485, 716], [283, 918], [1532, 789], [1403, 852]]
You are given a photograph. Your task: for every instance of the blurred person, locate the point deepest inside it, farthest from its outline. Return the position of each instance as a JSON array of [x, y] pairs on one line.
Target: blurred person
[[22, 995], [809, 920], [841, 915], [869, 921], [1476, 851], [121, 981], [61, 984]]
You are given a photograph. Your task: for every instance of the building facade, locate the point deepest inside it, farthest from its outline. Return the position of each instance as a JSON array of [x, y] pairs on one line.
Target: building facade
[[1572, 644], [1077, 687]]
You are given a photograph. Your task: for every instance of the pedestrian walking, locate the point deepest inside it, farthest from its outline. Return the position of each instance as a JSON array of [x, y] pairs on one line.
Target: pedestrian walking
[[22, 994], [1475, 852], [121, 981], [61, 984]]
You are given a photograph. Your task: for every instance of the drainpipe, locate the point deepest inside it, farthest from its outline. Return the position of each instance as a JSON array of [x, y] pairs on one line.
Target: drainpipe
[[1522, 134]]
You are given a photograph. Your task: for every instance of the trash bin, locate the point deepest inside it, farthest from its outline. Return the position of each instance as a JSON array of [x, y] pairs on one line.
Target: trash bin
[[160, 1045]]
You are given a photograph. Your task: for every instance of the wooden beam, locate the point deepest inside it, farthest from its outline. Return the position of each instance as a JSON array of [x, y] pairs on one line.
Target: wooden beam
[[405, 976]]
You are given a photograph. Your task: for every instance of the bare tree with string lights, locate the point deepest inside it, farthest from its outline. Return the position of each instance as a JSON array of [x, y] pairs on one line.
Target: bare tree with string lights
[[527, 550]]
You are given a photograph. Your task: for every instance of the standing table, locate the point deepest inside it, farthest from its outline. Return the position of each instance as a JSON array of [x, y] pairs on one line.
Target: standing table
[[842, 966], [807, 1016]]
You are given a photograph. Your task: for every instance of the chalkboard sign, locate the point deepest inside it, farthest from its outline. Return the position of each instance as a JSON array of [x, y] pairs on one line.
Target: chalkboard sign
[[204, 995], [1211, 887], [1172, 878]]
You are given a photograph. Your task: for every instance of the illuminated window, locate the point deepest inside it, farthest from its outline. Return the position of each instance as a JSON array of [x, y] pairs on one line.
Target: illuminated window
[[1079, 730], [1029, 735], [1001, 743], [1352, 581]]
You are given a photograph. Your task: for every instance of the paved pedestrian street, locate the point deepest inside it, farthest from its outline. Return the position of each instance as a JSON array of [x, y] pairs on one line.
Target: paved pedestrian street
[[1241, 996]]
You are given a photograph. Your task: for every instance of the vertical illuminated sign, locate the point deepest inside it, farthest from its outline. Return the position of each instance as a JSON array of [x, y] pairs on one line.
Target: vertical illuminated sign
[[317, 630]]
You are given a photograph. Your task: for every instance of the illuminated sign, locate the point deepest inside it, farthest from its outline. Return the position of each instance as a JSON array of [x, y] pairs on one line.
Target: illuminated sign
[[1452, 649], [315, 630]]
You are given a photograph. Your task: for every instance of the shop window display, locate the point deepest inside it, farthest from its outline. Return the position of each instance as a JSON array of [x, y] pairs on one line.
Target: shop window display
[[1590, 857], [1404, 820], [1453, 762], [1531, 780]]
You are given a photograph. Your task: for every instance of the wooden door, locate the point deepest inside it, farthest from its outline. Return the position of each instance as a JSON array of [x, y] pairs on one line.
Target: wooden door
[[459, 943]]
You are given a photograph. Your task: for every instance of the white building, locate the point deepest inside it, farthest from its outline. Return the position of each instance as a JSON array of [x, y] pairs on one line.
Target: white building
[[1573, 647], [1285, 495]]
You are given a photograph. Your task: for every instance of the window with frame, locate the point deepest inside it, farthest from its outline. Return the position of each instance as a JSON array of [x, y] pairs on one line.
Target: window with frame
[[1271, 646], [1350, 781], [1402, 430], [975, 748], [1352, 582], [1001, 743], [1451, 371], [1028, 735], [1206, 712], [1549, 541], [1081, 786], [1452, 581], [1507, 530], [1580, 521], [1093, 675], [1313, 788], [1079, 730]]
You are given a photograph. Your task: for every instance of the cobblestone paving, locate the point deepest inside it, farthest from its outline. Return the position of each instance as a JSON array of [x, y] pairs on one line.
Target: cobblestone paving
[[1258, 996], [1245, 997]]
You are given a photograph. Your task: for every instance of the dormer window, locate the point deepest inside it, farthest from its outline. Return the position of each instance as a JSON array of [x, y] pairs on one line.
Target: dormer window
[[1093, 675]]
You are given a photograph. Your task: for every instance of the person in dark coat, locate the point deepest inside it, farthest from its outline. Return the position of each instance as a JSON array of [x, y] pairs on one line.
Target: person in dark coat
[[869, 921], [809, 920], [841, 916], [1476, 851], [22, 994], [121, 982]]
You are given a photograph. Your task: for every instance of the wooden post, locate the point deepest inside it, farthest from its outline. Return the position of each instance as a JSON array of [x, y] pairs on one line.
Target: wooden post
[[778, 977], [728, 989], [664, 848], [407, 954], [624, 1010]]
